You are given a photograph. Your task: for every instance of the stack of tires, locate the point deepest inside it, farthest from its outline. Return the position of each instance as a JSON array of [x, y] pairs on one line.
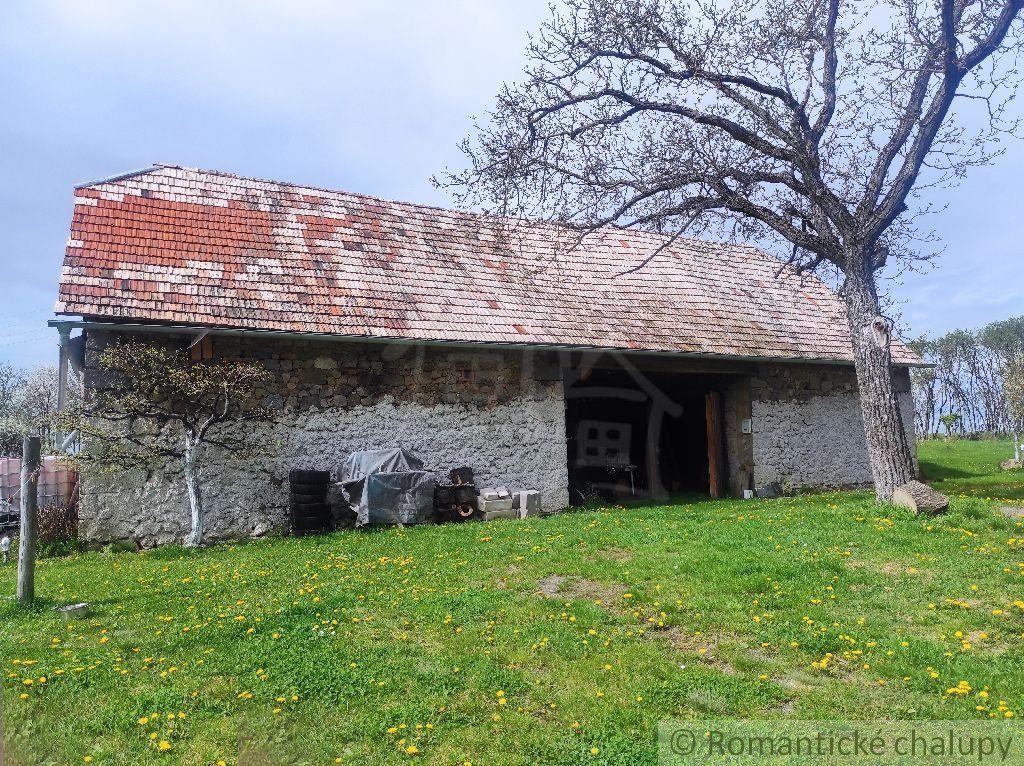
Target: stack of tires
[[456, 500], [307, 502]]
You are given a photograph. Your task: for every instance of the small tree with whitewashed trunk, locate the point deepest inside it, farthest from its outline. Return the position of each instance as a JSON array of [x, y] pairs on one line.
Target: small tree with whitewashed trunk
[[152, 404]]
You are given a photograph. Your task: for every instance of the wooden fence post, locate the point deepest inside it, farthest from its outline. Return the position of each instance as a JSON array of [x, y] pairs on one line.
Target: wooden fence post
[[29, 521]]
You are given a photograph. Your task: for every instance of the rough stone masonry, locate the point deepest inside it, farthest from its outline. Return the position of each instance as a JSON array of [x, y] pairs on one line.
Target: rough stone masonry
[[501, 412], [808, 428]]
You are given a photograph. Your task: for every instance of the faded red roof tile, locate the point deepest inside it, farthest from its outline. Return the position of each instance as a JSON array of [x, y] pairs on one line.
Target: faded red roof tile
[[183, 246]]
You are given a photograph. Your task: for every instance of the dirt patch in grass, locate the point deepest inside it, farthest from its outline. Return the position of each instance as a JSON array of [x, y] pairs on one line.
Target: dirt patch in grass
[[984, 641], [618, 555], [704, 645], [891, 568], [1013, 512], [502, 582], [551, 586], [605, 594], [558, 586]]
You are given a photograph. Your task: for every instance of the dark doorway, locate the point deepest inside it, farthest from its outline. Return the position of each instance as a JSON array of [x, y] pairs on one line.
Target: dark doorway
[[636, 435]]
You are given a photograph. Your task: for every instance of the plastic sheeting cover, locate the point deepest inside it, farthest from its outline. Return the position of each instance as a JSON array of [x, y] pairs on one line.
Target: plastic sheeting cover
[[388, 487], [397, 498], [358, 465]]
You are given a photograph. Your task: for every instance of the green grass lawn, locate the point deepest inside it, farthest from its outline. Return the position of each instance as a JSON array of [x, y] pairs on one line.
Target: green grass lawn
[[971, 469], [560, 640]]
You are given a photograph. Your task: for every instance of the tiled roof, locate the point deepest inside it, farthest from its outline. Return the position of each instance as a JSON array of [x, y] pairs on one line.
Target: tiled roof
[[195, 247]]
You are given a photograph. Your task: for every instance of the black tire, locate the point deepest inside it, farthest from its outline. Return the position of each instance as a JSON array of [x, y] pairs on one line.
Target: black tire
[[308, 497], [465, 494], [299, 476], [462, 475], [310, 509], [303, 486], [464, 513]]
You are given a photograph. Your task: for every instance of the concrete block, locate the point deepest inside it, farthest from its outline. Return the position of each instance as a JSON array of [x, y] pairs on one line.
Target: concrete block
[[495, 493], [503, 504], [527, 502], [510, 513]]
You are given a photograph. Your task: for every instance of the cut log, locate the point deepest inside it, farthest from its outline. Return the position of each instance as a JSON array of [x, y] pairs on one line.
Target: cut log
[[920, 498], [1012, 465]]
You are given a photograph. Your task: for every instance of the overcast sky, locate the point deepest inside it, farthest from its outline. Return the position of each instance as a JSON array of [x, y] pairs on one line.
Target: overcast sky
[[368, 97]]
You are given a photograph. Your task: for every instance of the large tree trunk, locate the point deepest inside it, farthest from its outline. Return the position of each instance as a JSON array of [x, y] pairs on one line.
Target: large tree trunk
[[891, 462], [195, 494]]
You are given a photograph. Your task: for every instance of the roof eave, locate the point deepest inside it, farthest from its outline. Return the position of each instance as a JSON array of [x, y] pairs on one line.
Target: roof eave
[[122, 326]]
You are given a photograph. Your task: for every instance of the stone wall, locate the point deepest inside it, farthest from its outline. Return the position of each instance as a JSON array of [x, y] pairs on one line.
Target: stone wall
[[808, 428], [501, 412]]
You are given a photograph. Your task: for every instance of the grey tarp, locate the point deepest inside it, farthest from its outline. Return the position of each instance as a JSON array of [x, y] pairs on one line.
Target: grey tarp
[[397, 498], [388, 487], [360, 464]]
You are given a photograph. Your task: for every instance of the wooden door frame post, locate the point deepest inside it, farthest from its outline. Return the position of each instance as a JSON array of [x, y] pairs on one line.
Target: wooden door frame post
[[716, 443]]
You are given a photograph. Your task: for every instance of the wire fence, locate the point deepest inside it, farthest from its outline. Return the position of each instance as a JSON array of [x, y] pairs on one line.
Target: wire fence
[[58, 485]]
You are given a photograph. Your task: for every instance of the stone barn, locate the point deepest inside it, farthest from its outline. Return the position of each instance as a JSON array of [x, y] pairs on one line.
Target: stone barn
[[466, 339]]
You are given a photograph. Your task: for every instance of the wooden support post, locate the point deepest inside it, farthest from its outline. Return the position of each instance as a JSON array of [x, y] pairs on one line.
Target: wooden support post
[[716, 453], [740, 444], [29, 512]]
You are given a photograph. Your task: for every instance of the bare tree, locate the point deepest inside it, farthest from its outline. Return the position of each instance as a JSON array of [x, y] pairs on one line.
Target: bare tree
[[151, 403], [28, 404], [926, 385], [11, 381], [1015, 403], [12, 425], [805, 125], [971, 374]]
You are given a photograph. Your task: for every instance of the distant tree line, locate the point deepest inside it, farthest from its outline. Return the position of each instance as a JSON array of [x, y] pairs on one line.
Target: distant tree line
[[28, 403], [977, 383]]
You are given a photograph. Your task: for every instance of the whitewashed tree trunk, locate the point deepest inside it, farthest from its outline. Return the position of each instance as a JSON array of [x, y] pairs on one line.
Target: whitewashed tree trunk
[[891, 462], [1016, 445], [195, 492]]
